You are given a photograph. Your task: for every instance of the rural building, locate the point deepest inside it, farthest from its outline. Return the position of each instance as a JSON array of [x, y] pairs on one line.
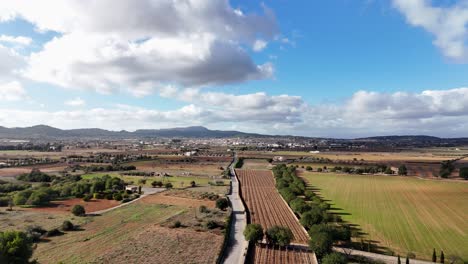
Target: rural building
[[131, 188]]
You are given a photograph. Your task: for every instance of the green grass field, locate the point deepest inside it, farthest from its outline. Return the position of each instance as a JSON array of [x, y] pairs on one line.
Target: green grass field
[[402, 214], [176, 181]]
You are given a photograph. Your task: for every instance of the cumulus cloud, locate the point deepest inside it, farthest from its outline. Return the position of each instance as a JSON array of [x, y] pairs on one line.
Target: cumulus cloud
[[12, 91], [10, 62], [433, 112], [19, 40], [75, 102], [448, 24], [188, 43], [259, 45]]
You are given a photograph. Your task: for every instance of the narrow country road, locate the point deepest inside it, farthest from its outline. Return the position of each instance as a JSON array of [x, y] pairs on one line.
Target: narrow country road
[[374, 256], [237, 247]]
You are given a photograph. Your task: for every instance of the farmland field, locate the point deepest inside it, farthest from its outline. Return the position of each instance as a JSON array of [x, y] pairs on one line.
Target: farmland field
[[134, 233], [205, 169], [264, 254], [256, 164], [415, 155], [401, 214], [266, 205], [177, 182]]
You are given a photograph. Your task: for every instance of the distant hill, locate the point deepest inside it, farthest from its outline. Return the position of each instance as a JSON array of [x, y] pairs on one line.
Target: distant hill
[[47, 132]]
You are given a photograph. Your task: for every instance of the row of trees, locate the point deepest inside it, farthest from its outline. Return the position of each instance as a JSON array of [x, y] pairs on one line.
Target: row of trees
[[324, 228], [402, 170], [275, 235]]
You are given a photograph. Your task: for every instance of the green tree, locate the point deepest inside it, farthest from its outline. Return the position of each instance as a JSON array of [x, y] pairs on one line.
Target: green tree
[[434, 256], [442, 257], [299, 206], [78, 210], [309, 168], [388, 170], [402, 170], [22, 197], [15, 247], [222, 203], [464, 173], [168, 185], [334, 258], [253, 233], [321, 243], [67, 226], [279, 235], [312, 217]]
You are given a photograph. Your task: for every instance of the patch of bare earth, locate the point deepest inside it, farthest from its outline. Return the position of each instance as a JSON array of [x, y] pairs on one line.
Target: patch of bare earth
[[66, 206], [181, 198], [163, 245]]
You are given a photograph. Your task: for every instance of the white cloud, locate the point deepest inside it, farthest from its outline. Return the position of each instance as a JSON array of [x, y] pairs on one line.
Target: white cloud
[[448, 24], [75, 102], [10, 62], [432, 112], [259, 45], [12, 91], [19, 40], [187, 43]]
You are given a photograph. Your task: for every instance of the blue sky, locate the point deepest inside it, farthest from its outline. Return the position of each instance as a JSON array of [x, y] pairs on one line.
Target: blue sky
[[321, 68]]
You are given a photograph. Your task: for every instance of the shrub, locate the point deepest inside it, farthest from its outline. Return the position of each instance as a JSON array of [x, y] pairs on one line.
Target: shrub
[[253, 233], [211, 224], [464, 173], [117, 196], [126, 200], [157, 184], [22, 197], [334, 258], [67, 226], [168, 185], [193, 184], [309, 168], [35, 232], [53, 232], [203, 209], [88, 197], [78, 210], [222, 203], [321, 243], [15, 247], [109, 196], [177, 224], [38, 198], [278, 235], [311, 217], [35, 176], [299, 206]]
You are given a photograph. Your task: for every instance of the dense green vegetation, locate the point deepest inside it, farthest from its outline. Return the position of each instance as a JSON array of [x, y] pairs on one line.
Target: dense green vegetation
[[56, 188], [464, 173], [35, 176], [253, 233], [324, 228], [279, 235], [15, 247]]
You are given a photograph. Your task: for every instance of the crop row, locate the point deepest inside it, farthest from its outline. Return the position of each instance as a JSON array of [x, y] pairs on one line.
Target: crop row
[[267, 254], [266, 205]]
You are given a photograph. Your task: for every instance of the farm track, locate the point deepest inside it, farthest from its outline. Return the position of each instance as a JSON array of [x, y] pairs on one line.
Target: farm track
[[266, 205]]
